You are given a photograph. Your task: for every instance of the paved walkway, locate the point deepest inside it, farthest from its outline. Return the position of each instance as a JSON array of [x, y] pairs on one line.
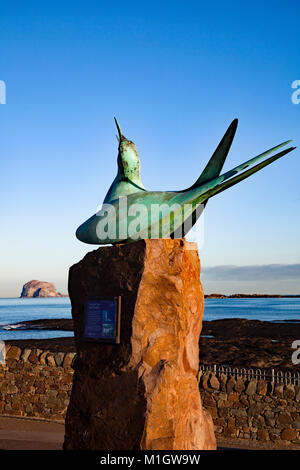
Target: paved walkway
[[30, 434], [37, 434]]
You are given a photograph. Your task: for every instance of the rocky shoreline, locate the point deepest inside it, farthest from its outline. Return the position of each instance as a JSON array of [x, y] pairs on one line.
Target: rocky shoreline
[[64, 324], [234, 342]]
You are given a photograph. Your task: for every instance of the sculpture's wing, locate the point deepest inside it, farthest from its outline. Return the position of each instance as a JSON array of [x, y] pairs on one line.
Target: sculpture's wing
[[216, 162], [214, 166], [221, 187]]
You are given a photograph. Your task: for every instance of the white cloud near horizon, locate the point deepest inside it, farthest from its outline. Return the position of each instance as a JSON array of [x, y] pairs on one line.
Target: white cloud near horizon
[[268, 272], [227, 279]]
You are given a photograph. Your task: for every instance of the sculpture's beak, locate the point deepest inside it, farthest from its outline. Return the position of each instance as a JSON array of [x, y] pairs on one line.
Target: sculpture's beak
[[121, 136]]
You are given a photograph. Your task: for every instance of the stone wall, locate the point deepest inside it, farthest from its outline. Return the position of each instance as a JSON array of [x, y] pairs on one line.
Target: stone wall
[[252, 409], [38, 383], [35, 383]]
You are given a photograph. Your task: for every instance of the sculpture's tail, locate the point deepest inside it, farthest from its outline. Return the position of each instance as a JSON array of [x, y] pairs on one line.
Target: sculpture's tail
[[218, 186], [201, 195]]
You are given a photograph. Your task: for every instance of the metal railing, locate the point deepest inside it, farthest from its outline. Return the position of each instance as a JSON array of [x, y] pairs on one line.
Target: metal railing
[[270, 375]]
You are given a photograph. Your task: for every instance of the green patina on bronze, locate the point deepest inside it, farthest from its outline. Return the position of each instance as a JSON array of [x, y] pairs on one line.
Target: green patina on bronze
[[139, 220]]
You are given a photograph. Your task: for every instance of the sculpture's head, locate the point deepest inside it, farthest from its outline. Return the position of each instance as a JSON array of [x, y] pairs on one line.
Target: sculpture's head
[[128, 157]]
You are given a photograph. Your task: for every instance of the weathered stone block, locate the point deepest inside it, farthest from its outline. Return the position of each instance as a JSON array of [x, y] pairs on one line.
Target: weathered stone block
[[223, 412], [209, 401], [212, 411], [50, 360], [251, 387], [42, 359], [244, 400], [205, 380], [59, 358], [218, 429], [223, 381], [33, 358], [284, 419], [240, 385], [288, 434], [13, 353], [273, 436], [230, 384], [221, 396], [270, 418], [255, 410], [239, 412], [289, 391], [278, 391], [263, 435], [231, 431], [233, 397], [262, 386], [296, 423], [143, 393], [68, 360], [11, 389], [214, 382], [25, 354]]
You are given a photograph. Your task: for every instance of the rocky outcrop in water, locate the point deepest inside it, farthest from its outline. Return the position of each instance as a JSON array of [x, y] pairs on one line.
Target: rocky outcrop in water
[[39, 289]]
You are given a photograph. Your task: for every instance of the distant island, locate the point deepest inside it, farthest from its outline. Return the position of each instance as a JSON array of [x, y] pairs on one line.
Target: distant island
[[40, 289], [250, 296]]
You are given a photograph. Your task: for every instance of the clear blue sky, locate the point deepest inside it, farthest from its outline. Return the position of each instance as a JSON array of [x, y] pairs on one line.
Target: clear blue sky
[[175, 74]]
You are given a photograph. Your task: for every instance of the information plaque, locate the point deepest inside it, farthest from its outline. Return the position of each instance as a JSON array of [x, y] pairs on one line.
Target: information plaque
[[102, 319]]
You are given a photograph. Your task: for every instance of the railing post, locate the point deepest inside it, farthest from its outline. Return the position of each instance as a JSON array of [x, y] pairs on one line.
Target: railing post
[[273, 375], [270, 374]]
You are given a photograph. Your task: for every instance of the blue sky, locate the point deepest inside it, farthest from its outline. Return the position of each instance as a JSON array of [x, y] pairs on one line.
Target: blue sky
[[175, 74]]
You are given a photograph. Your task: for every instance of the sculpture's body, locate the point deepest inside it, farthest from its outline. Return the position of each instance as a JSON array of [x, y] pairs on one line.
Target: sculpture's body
[[130, 213]]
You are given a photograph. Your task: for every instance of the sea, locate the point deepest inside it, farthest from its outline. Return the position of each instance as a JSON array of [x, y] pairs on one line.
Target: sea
[[13, 311]]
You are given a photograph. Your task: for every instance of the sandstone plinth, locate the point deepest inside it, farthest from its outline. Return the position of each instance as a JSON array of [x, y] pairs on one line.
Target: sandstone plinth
[[142, 393]]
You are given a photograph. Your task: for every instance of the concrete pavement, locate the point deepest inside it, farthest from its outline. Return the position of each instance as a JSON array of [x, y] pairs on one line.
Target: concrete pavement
[[17, 433], [30, 434]]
